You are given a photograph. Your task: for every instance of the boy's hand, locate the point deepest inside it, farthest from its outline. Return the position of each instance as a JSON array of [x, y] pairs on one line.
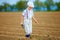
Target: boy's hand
[[37, 22], [22, 24]]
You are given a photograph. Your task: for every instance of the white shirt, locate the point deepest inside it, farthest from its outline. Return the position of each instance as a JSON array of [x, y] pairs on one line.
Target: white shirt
[[28, 22], [30, 14]]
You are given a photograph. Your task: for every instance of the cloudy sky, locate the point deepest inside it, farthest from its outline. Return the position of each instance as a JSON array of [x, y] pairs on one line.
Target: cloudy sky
[[14, 1]]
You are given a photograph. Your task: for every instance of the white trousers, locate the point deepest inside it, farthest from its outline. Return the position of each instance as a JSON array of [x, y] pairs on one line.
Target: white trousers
[[28, 26]]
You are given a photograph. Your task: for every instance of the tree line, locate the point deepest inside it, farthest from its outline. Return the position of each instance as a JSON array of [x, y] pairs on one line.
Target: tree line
[[48, 5]]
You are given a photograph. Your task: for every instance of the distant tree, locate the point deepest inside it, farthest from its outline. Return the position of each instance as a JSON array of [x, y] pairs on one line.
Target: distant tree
[[5, 6], [48, 3], [0, 7], [38, 4], [21, 4], [58, 4]]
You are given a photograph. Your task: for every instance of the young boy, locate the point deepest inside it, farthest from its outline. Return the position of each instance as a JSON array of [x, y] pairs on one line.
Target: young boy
[[26, 19]]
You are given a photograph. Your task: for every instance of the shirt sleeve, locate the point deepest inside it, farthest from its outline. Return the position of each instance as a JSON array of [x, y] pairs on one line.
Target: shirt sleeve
[[32, 13], [23, 12]]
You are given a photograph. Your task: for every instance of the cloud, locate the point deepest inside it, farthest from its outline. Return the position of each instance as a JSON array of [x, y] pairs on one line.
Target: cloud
[[8, 1]]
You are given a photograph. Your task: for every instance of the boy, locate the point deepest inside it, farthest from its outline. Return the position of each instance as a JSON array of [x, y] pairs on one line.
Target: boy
[[26, 19]]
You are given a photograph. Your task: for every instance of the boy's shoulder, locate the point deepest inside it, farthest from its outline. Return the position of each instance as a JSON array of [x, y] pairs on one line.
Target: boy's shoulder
[[24, 10]]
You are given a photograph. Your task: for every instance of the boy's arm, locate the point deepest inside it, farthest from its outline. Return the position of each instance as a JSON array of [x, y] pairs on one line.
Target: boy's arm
[[35, 20], [22, 19]]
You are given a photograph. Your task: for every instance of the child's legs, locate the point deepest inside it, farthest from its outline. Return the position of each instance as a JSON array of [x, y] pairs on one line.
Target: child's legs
[[28, 30], [28, 27]]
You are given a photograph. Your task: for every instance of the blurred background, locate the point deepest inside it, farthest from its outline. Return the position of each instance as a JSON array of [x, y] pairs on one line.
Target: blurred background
[[47, 12], [20, 5]]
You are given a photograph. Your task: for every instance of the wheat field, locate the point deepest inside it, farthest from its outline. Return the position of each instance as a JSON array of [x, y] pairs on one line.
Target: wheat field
[[48, 28]]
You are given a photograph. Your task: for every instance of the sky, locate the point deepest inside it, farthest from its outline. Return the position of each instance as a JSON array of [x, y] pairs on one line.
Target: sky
[[53, 0], [14, 1]]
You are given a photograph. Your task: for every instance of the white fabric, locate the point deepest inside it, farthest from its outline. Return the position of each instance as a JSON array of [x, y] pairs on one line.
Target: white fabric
[[31, 4], [28, 22], [30, 14], [28, 26]]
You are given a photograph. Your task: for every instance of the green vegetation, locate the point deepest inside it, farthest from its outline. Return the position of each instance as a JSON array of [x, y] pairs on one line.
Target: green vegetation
[[48, 5]]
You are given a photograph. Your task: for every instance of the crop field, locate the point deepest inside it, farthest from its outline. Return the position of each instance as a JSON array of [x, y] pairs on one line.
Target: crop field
[[48, 28]]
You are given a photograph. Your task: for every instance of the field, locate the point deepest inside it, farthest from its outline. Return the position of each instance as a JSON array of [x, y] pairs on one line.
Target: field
[[49, 28]]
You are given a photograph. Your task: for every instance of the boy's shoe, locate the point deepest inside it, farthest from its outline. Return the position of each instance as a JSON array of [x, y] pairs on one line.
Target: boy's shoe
[[28, 36]]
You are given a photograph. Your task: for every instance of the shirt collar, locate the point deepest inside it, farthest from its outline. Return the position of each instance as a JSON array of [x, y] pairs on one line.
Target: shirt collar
[[29, 10]]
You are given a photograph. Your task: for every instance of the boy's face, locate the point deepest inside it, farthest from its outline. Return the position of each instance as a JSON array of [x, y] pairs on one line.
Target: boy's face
[[30, 7]]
